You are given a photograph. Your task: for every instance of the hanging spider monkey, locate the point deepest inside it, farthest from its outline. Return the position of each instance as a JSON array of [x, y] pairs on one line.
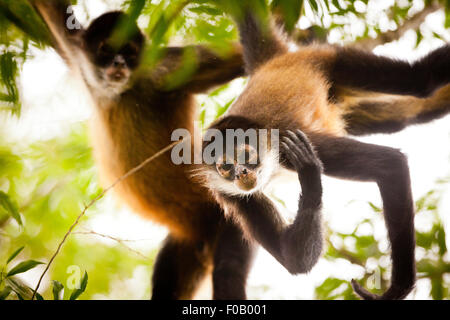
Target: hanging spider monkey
[[327, 92], [136, 112]]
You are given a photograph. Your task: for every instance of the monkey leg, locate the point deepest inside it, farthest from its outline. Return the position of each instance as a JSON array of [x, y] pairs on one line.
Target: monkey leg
[[232, 261], [349, 159], [180, 266]]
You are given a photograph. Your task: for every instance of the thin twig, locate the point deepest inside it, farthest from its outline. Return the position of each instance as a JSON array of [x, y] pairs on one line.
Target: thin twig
[[347, 254], [87, 231], [101, 195], [120, 241]]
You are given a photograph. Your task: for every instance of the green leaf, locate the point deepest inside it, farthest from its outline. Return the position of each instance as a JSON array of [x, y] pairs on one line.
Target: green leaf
[[326, 291], [437, 289], [10, 206], [375, 208], [58, 290], [206, 10], [5, 293], [424, 240], [39, 297], [77, 292], [336, 4], [290, 10], [419, 38], [23, 267], [314, 5], [22, 291], [440, 235], [11, 257]]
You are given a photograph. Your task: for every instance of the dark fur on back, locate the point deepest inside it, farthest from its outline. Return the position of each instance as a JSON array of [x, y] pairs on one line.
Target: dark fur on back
[[355, 68], [97, 31]]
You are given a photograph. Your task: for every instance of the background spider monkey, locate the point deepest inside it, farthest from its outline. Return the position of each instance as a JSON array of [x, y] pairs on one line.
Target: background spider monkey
[[135, 116], [317, 89]]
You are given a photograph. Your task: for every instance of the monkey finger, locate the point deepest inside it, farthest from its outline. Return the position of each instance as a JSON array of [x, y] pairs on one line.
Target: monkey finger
[[291, 157], [305, 138], [303, 143], [288, 153], [295, 148]]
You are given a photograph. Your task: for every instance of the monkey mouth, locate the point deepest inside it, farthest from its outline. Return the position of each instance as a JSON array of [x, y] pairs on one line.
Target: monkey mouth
[[117, 75], [246, 185]]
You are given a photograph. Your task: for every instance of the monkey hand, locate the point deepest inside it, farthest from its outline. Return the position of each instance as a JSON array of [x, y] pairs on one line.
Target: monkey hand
[[297, 149]]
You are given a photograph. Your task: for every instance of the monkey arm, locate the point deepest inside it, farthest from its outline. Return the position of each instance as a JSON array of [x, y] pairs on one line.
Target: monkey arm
[[213, 70], [63, 26], [358, 69], [196, 68], [353, 160], [297, 246]]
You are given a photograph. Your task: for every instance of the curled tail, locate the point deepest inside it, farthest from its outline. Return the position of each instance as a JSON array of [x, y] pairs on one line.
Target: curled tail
[[389, 113]]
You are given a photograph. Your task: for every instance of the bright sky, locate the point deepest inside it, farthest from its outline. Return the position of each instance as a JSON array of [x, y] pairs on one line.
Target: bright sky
[[52, 104]]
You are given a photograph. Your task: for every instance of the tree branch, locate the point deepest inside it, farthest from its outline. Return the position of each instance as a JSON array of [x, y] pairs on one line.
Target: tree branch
[[413, 23], [319, 35], [101, 195], [120, 241]]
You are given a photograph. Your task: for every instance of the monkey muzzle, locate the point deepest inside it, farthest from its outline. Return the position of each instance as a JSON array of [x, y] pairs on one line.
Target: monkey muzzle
[[244, 178], [117, 74], [118, 71]]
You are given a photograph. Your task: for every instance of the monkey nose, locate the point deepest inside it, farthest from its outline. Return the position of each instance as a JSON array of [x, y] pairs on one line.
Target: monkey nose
[[119, 64], [240, 173], [119, 61]]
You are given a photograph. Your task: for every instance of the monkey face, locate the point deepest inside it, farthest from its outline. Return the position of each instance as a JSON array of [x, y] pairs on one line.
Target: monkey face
[[116, 65], [244, 173], [242, 170], [113, 64]]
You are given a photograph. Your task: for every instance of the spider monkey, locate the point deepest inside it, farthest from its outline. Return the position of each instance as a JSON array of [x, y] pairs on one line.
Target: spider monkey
[[237, 179], [136, 113], [327, 92]]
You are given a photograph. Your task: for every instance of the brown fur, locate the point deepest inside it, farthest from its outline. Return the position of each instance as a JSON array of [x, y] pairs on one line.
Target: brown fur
[[123, 138], [296, 88], [366, 113], [329, 92], [133, 125], [288, 102], [137, 124]]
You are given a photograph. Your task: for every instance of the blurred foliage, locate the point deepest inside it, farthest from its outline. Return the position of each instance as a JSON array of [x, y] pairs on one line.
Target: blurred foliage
[[432, 257], [204, 21], [43, 187], [44, 184]]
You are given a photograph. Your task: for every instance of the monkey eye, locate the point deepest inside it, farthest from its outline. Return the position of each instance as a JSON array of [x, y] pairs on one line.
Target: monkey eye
[[225, 170], [105, 49], [130, 50], [131, 54]]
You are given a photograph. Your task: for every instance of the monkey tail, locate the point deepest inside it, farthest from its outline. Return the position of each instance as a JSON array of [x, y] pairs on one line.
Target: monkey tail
[[393, 293], [389, 113]]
